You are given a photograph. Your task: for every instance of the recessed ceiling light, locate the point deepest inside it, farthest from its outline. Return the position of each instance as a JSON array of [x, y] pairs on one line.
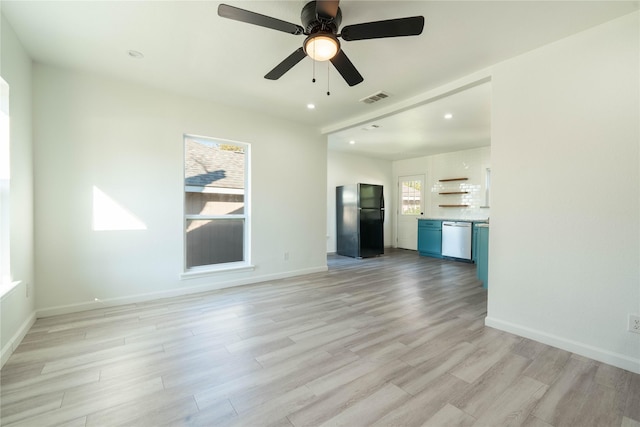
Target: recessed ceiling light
[[352, 142], [311, 106], [448, 116], [135, 54]]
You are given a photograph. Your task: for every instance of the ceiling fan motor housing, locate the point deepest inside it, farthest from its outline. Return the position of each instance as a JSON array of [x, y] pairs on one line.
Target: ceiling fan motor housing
[[313, 23]]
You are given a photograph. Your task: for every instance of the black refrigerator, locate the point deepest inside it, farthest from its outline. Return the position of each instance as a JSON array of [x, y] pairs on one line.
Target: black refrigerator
[[359, 220]]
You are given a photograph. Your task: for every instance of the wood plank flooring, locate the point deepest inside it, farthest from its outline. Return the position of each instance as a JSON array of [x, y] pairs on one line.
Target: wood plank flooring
[[397, 340]]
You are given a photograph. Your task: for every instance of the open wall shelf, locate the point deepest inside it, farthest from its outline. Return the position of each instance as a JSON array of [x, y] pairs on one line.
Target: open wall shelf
[[453, 179], [453, 191]]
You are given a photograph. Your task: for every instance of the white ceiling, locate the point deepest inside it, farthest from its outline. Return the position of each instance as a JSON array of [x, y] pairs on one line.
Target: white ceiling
[[423, 130], [190, 50]]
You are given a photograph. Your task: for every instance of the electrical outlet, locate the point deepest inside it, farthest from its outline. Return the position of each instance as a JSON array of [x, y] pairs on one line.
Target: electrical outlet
[[286, 256], [634, 323], [26, 286]]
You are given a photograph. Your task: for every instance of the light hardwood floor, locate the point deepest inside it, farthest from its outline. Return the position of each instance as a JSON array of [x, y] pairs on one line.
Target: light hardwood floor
[[394, 340]]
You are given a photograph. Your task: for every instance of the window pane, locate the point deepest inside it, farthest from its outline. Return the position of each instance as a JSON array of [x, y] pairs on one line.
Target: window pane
[[214, 167], [214, 241], [411, 194], [214, 176]]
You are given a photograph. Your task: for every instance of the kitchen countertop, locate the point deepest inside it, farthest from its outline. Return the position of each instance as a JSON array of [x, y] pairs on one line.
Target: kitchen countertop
[[457, 219]]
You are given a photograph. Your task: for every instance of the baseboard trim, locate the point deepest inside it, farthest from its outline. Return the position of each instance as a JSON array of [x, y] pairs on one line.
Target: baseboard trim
[[16, 339], [599, 354], [132, 299]]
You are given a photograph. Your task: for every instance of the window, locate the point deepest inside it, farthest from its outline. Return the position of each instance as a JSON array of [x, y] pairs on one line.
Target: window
[[216, 203], [411, 192], [5, 175], [487, 188]]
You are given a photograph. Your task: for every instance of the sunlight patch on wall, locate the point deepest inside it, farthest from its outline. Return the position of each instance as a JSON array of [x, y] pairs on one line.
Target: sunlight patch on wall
[[109, 215]]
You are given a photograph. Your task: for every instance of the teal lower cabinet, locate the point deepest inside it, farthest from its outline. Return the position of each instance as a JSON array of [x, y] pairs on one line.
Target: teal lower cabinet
[[482, 258], [474, 242], [430, 238]]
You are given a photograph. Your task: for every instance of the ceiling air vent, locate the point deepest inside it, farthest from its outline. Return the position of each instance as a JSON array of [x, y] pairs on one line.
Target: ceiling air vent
[[375, 97]]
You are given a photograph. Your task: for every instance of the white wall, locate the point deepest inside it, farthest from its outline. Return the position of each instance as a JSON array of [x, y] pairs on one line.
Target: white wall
[[127, 140], [565, 221], [469, 164], [17, 310], [344, 169]]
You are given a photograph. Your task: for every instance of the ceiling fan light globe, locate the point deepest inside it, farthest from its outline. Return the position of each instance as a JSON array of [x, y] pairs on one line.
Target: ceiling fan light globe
[[321, 47]]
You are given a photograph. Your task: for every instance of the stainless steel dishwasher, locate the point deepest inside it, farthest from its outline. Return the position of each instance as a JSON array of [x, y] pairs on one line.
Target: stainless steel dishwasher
[[456, 239]]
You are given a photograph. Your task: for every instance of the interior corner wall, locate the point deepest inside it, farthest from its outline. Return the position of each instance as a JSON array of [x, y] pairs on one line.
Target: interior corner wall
[[127, 141], [344, 169], [17, 307], [564, 263]]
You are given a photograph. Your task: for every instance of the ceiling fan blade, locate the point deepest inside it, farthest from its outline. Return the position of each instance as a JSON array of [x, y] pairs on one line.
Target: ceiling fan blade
[[346, 69], [237, 14], [327, 9], [286, 65], [381, 29]]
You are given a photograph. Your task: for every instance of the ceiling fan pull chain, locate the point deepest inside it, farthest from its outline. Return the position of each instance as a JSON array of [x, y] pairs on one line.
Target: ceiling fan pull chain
[[313, 80], [328, 91]]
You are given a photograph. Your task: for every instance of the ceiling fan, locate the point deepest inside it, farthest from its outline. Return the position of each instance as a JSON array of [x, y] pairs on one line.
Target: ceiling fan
[[321, 20]]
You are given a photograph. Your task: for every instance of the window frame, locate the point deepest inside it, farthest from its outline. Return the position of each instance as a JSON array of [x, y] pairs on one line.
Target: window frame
[[487, 188], [6, 278], [245, 264]]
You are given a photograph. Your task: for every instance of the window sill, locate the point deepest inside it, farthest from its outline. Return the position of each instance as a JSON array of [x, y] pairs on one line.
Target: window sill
[[194, 273], [6, 288]]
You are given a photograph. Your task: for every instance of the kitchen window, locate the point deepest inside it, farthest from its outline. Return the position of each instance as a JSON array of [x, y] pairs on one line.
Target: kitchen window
[[487, 188], [216, 201]]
